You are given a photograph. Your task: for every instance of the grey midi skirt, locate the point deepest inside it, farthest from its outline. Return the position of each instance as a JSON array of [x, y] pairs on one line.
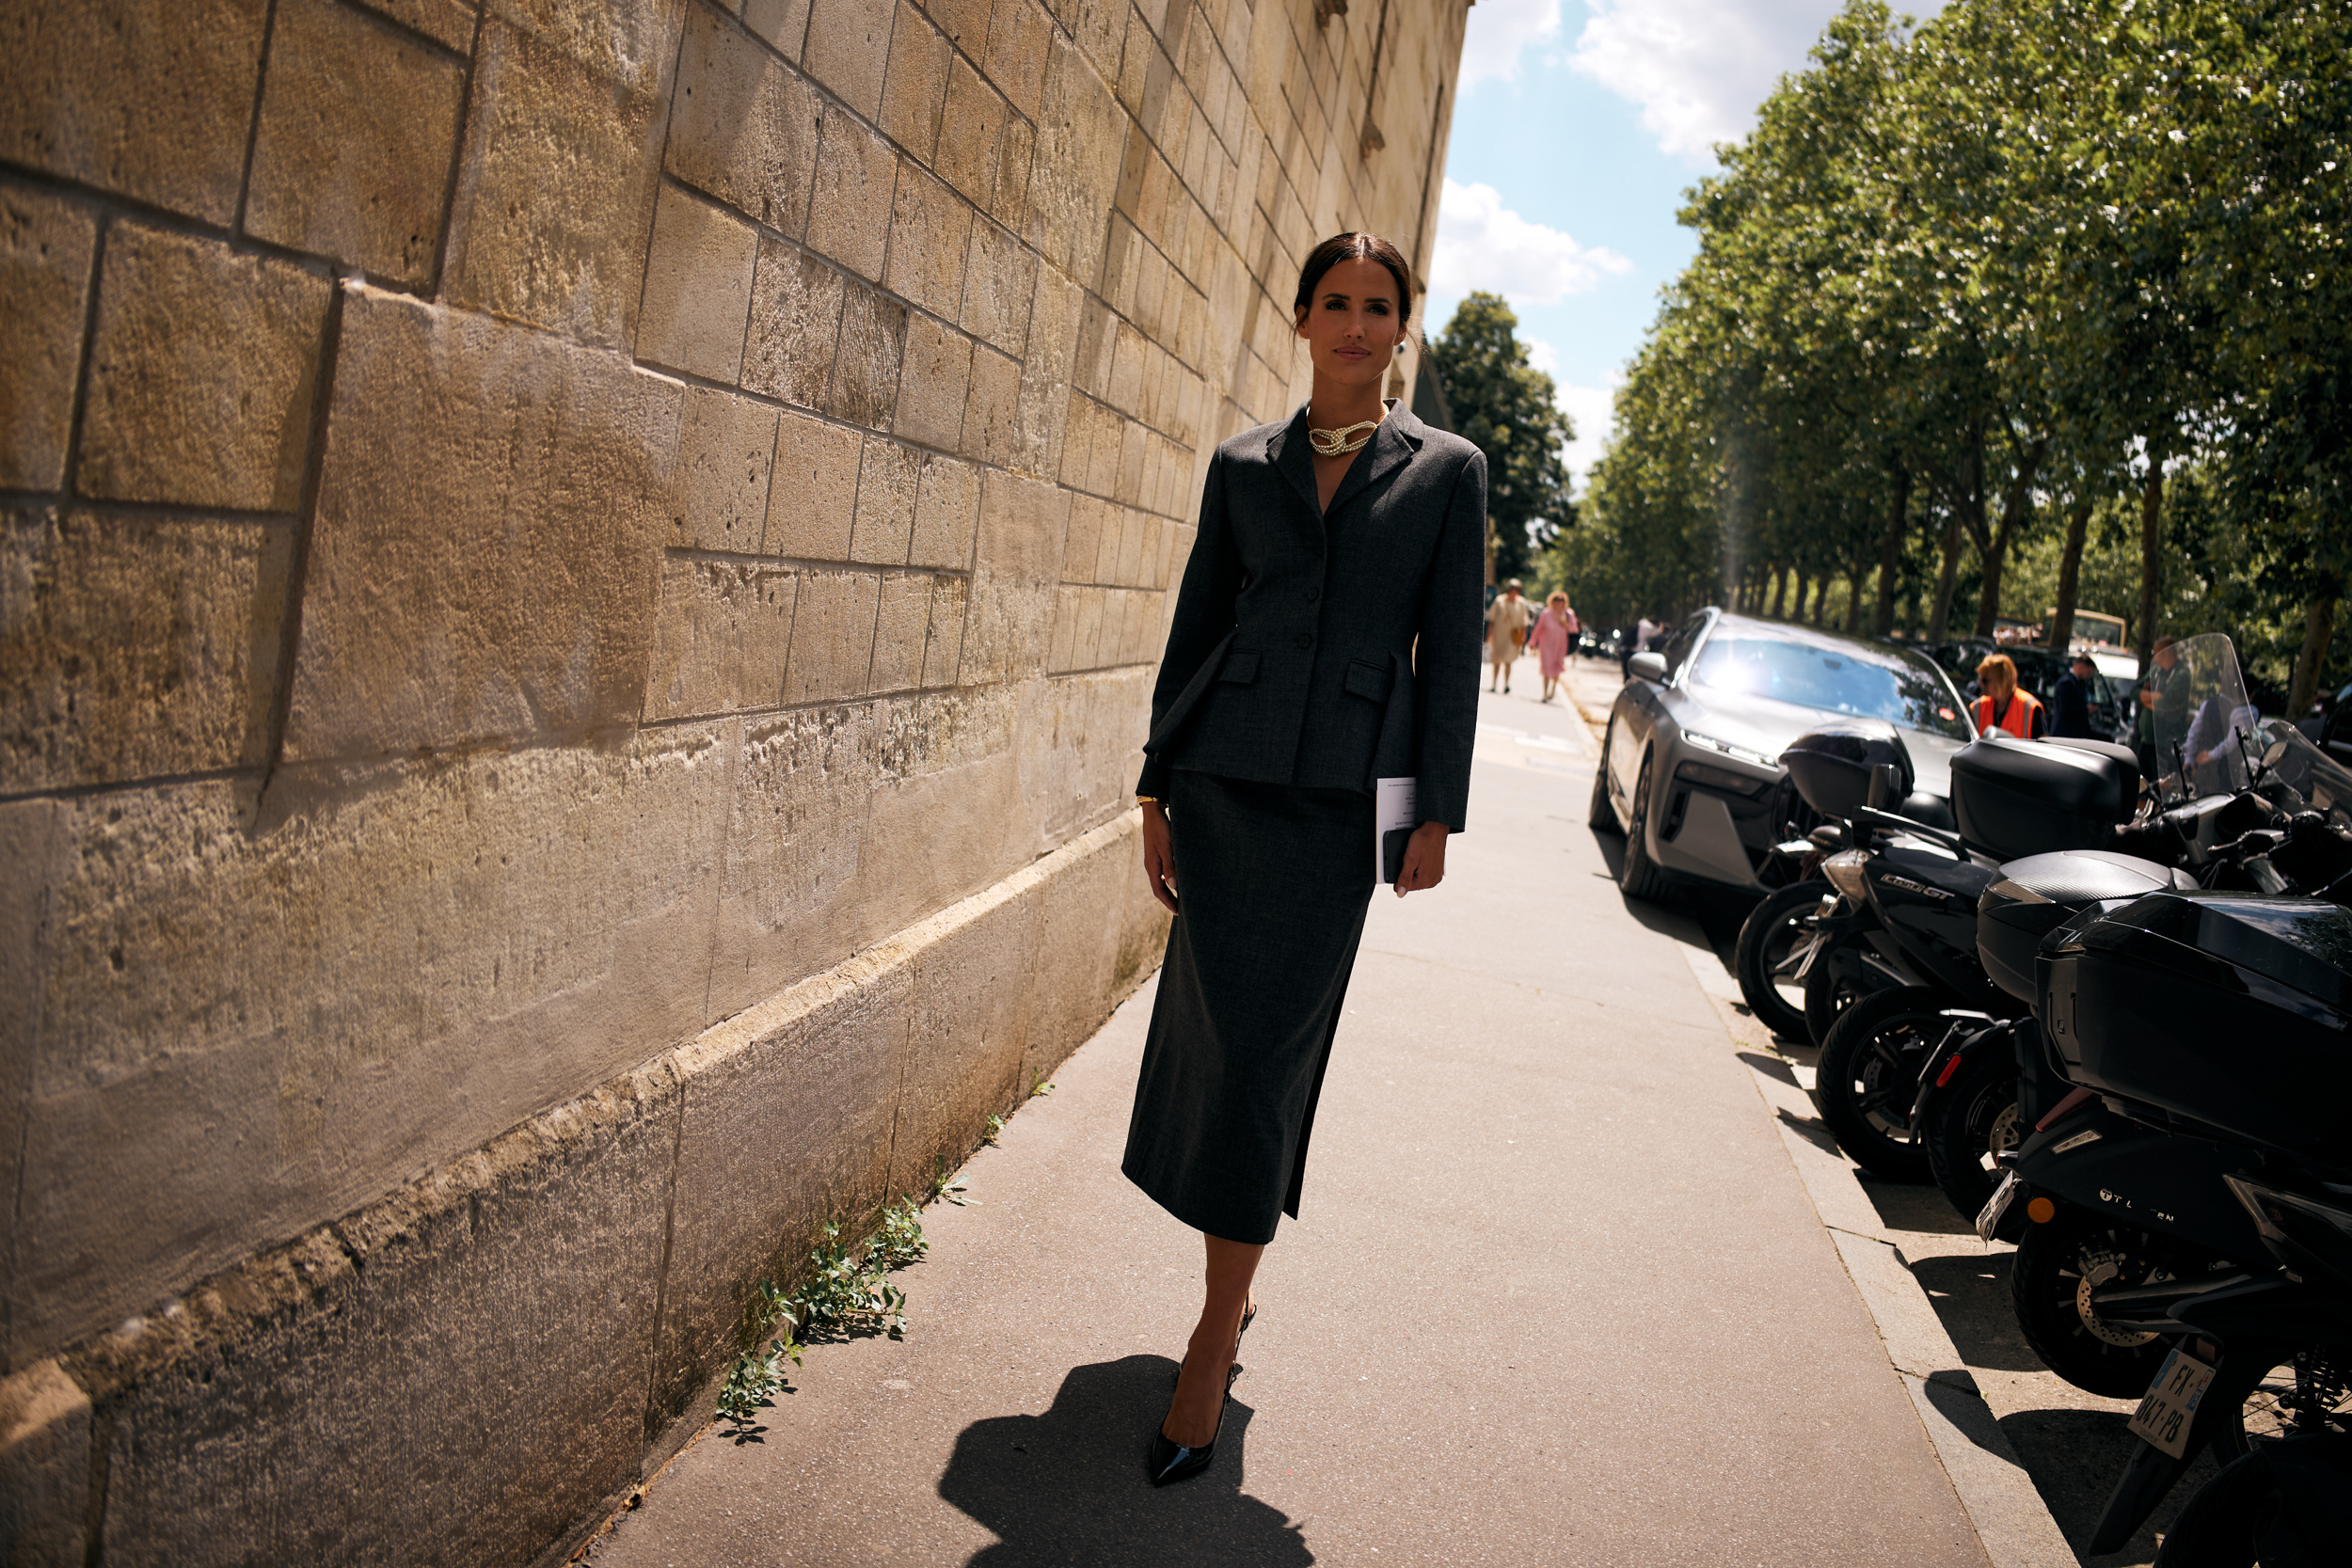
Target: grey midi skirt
[[1272, 884]]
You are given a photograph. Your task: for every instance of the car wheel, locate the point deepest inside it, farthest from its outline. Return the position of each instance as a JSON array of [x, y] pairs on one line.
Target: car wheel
[[1639, 876], [1600, 816]]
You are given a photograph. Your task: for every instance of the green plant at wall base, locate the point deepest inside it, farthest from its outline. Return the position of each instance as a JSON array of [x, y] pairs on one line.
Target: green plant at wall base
[[847, 1293], [758, 1372], [944, 1183], [995, 1126], [899, 1241]]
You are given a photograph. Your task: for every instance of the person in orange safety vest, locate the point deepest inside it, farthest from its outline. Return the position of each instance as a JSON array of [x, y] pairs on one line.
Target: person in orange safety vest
[[2004, 705]]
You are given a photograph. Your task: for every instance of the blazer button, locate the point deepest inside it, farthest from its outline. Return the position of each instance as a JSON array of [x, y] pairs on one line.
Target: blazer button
[[1306, 639], [1314, 594]]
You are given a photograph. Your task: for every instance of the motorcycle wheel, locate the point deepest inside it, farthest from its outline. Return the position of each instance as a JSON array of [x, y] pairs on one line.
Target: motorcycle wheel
[[2251, 1513], [1970, 1121], [1600, 815], [2057, 1266], [1773, 943], [1868, 1076], [1827, 995], [1638, 875]]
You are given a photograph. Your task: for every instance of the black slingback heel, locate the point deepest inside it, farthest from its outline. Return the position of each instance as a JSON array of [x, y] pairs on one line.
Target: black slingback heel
[[1168, 1461]]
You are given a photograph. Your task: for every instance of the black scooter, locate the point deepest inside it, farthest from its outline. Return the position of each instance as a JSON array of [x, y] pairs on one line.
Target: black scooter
[[1909, 891]]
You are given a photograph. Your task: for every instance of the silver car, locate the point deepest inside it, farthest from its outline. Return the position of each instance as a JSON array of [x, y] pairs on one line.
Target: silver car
[[1690, 769]]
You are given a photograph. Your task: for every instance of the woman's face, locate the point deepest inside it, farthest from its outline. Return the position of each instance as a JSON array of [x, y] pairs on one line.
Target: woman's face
[[1353, 323]]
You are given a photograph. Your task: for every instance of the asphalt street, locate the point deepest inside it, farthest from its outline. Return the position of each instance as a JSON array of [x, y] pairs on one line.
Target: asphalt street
[[1557, 1294]]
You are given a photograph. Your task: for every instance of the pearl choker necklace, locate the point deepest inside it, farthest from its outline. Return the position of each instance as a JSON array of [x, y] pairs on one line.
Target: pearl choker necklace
[[1335, 443]]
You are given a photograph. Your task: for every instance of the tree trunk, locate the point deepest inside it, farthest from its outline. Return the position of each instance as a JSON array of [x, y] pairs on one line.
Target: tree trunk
[[1820, 600], [1796, 606], [1853, 600], [2015, 506], [1891, 549], [1780, 582], [2151, 558], [2070, 573], [1940, 621], [2319, 629]]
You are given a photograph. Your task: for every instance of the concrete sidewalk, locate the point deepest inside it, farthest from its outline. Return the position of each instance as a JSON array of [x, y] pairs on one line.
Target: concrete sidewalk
[[1558, 1294]]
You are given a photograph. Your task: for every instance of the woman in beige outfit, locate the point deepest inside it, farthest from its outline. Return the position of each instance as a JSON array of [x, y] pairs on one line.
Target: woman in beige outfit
[[1506, 633]]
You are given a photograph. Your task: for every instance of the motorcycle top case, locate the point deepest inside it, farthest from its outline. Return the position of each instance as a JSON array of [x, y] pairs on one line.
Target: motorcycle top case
[[1832, 766], [2018, 797], [2034, 897], [2232, 1011]]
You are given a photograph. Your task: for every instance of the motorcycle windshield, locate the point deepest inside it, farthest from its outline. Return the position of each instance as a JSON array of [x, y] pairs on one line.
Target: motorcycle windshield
[[2206, 730], [2324, 784]]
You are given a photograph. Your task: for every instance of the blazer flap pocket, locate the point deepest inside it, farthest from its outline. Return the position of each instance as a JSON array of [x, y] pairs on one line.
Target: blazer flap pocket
[[1370, 680], [1240, 668]]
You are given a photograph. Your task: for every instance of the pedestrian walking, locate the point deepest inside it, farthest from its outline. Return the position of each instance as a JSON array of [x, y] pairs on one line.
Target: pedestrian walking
[[1332, 548], [1555, 629], [1506, 633], [2070, 700]]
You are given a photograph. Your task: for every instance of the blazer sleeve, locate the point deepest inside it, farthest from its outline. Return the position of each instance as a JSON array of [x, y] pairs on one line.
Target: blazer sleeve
[[1204, 613], [1445, 721]]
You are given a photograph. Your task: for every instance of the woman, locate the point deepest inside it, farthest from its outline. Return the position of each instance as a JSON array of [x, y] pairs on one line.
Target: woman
[[2004, 705], [1553, 628], [1506, 633], [1323, 639]]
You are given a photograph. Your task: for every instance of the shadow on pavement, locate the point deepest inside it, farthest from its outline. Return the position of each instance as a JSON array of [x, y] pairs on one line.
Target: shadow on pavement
[[1068, 1487], [2075, 1456]]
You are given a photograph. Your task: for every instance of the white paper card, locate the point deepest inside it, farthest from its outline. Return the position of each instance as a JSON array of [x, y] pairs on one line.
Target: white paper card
[[1392, 806]]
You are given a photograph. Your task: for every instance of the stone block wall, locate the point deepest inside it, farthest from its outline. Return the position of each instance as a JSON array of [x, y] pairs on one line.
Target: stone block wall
[[579, 581]]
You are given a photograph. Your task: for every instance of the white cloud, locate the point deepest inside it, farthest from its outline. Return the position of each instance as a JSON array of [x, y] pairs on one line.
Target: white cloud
[[1484, 244], [1499, 32], [1699, 68]]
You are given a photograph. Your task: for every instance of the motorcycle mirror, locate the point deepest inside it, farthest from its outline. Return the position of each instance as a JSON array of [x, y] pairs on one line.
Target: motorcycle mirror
[[2276, 754], [1886, 783]]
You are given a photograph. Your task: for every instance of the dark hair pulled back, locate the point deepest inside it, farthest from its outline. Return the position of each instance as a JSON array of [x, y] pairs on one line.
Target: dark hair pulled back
[[1355, 248]]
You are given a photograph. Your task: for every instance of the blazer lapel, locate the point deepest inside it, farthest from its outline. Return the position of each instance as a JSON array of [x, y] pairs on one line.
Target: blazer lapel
[[1392, 445], [1290, 452]]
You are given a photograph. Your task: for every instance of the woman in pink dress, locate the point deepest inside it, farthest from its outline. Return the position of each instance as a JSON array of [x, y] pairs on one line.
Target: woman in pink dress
[[1551, 639]]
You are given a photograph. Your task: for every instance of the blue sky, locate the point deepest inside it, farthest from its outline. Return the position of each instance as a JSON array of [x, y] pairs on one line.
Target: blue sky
[[1578, 125]]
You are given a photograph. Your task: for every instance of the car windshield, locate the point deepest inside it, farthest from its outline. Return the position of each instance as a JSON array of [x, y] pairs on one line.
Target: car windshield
[[1833, 679]]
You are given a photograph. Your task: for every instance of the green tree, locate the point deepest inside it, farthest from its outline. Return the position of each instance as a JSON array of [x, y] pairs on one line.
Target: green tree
[[1506, 407]]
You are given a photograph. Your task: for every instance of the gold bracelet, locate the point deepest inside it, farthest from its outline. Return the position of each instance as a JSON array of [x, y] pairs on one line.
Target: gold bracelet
[[1149, 800]]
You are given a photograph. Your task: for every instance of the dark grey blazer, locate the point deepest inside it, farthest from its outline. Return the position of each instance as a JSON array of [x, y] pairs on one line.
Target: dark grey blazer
[[1330, 650]]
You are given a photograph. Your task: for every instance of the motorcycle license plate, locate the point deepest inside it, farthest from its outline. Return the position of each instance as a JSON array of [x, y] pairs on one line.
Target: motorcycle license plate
[[2170, 1407], [1988, 1217]]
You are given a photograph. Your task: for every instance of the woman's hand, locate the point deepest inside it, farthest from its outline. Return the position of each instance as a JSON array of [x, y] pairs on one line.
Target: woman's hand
[[1159, 856], [1424, 859]]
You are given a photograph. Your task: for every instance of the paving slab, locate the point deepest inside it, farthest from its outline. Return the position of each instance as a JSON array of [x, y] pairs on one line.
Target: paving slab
[[1557, 1294]]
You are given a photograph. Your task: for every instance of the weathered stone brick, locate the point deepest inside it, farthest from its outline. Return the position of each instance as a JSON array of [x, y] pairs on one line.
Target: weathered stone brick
[[1065, 628], [971, 132], [856, 172], [45, 248], [899, 631], [849, 50], [1082, 541], [134, 647], [885, 503], [999, 286], [965, 22], [1014, 155], [795, 323], [719, 498], [448, 22], [945, 641], [482, 565], [866, 366], [1018, 34], [781, 22], [698, 288], [812, 503], [721, 638], [555, 189], [992, 407], [341, 165], [916, 86], [1009, 625], [832, 636], [44, 1467], [742, 126], [149, 100], [201, 375], [932, 383], [931, 228], [946, 510]]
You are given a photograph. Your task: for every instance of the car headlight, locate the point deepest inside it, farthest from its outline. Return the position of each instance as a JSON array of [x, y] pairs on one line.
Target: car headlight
[[1727, 749], [1844, 871]]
